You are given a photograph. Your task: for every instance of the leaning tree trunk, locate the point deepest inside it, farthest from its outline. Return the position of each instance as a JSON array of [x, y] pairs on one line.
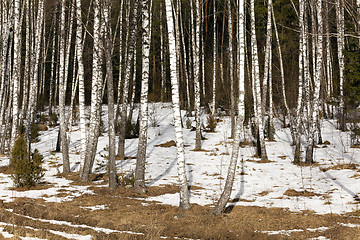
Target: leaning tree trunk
[[281, 68], [224, 198], [141, 154], [172, 17]]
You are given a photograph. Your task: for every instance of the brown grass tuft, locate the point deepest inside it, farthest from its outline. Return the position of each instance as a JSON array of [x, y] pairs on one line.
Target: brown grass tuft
[[168, 144], [304, 193]]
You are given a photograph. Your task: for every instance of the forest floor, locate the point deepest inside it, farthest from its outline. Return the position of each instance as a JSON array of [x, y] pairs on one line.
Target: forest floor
[[272, 199]]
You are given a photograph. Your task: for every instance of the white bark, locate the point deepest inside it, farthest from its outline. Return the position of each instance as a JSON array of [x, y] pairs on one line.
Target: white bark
[[301, 75], [317, 81], [196, 67], [16, 71], [141, 154], [340, 44], [131, 40], [96, 92], [62, 93], [79, 53], [224, 198], [215, 50], [34, 66], [256, 73], [174, 50]]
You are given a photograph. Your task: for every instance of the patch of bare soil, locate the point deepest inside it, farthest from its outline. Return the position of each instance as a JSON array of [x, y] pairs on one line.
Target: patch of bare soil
[[304, 193], [168, 144]]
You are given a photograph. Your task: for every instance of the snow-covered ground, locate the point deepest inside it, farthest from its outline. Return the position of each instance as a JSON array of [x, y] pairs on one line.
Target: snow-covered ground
[[256, 184]]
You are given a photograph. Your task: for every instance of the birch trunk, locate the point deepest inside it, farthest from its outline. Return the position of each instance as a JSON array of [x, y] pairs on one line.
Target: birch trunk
[[281, 67], [267, 60], [224, 198], [16, 72], [196, 67], [96, 92], [340, 45], [62, 93], [297, 157], [79, 54], [215, 50], [131, 40], [34, 69], [317, 82], [141, 154], [258, 112], [110, 84], [172, 18]]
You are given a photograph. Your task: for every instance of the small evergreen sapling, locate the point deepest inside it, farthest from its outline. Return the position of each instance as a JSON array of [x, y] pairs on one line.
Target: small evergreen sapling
[[27, 172]]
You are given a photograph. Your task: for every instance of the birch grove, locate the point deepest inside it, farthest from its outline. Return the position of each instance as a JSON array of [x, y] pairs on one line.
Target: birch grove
[[97, 66]]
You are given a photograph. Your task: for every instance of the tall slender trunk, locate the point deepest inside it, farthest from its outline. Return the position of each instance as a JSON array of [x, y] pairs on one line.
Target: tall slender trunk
[[79, 54], [297, 134], [110, 84], [281, 67], [172, 20], [268, 52], [215, 53], [96, 100], [196, 67], [62, 93], [224, 198], [131, 41], [340, 45], [141, 154], [16, 71], [317, 81], [258, 112], [34, 70]]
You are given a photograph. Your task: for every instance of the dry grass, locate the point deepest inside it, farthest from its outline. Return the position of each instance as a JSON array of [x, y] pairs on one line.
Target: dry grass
[[260, 161], [304, 193], [350, 166], [125, 213], [168, 144]]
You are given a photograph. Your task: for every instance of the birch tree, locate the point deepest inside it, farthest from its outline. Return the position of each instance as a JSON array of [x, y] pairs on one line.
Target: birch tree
[[224, 198], [110, 85], [341, 46], [172, 21], [196, 67], [96, 96], [79, 54], [261, 148], [317, 81], [16, 71], [131, 41], [62, 92], [139, 184]]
